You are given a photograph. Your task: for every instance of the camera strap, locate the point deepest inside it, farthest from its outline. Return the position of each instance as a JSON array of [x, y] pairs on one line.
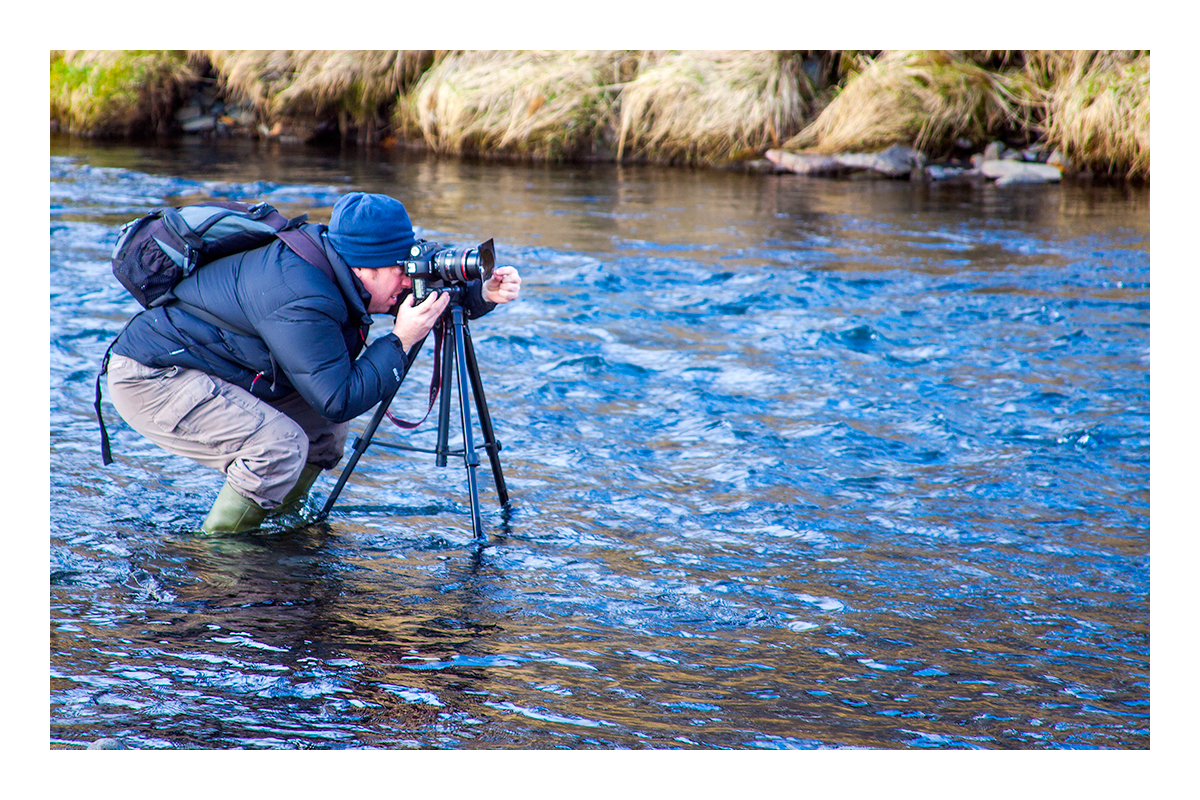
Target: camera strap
[[435, 382]]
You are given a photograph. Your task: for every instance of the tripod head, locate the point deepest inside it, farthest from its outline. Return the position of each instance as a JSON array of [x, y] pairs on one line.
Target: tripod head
[[455, 291]]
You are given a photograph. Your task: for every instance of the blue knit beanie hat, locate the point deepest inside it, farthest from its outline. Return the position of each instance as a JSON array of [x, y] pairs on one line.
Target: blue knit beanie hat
[[371, 230]]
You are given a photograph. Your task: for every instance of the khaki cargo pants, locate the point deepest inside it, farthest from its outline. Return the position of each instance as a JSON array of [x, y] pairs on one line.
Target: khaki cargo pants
[[261, 447]]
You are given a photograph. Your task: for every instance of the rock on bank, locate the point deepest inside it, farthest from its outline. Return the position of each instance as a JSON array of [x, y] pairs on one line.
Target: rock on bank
[[997, 163]]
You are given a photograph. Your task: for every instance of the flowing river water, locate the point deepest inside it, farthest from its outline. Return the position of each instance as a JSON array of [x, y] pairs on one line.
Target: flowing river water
[[794, 463]]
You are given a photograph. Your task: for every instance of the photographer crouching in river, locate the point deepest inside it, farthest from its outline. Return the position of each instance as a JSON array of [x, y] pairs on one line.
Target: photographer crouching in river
[[259, 361]]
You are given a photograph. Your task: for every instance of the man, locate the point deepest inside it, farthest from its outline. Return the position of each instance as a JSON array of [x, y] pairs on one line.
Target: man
[[260, 363]]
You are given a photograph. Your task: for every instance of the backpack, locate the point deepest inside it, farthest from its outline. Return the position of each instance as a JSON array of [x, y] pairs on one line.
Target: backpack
[[155, 252]]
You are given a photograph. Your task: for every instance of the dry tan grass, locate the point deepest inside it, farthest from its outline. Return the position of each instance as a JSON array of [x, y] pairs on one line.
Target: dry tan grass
[[923, 98], [544, 104], [117, 92], [699, 107], [356, 86], [1098, 107], [712, 107]]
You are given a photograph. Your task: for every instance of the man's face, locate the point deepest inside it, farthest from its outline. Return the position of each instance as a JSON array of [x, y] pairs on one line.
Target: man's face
[[385, 284]]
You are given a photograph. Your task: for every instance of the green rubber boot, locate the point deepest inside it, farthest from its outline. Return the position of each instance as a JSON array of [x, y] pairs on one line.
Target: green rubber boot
[[295, 498], [233, 513]]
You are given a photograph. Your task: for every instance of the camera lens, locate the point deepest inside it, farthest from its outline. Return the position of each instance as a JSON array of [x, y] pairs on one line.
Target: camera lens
[[459, 265]]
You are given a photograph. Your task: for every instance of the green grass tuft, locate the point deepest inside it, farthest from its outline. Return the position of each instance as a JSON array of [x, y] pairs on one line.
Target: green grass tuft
[[117, 92]]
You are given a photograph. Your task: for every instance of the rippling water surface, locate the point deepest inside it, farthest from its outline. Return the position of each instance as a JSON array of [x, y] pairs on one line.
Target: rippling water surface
[[794, 464]]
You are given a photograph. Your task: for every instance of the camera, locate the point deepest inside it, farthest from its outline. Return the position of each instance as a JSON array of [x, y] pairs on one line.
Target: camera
[[435, 268]]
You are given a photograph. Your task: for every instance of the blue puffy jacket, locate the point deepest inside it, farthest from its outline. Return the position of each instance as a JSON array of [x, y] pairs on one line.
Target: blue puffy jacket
[[286, 327]]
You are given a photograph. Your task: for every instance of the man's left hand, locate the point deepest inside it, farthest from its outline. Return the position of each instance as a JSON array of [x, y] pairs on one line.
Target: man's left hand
[[503, 286]]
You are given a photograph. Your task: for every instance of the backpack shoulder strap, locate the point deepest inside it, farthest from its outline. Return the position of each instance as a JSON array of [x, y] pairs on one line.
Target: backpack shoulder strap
[[303, 245], [105, 448]]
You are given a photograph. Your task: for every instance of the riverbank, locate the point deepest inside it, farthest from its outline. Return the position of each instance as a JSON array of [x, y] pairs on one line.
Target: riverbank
[[1077, 111]]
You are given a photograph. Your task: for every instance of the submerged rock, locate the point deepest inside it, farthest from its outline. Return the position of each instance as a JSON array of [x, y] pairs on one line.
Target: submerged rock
[[107, 744]]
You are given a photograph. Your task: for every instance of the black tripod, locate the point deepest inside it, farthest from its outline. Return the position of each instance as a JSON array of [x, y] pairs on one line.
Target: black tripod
[[457, 349]]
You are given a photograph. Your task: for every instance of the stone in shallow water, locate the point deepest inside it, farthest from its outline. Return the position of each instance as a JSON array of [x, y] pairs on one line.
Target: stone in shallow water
[[896, 161], [938, 172], [1007, 172], [805, 163], [107, 744]]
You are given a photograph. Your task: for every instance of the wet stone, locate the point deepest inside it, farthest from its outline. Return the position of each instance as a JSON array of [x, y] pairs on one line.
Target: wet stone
[[1009, 172], [896, 161], [937, 172], [107, 744], [805, 163]]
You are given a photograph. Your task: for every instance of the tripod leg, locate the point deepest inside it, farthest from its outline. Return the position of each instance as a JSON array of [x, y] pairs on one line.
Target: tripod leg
[[470, 458], [485, 418], [360, 447], [364, 441]]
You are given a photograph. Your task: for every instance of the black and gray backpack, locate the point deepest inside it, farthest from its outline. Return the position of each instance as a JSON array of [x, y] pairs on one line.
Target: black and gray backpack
[[157, 251]]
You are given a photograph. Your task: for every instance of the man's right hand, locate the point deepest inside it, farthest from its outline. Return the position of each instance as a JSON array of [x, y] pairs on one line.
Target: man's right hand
[[413, 323]]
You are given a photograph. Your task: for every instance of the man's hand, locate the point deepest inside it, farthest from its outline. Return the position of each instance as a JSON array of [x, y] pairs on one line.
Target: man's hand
[[503, 286], [413, 323]]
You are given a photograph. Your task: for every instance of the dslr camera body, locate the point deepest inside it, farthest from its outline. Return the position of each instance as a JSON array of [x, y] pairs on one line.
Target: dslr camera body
[[435, 268]]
